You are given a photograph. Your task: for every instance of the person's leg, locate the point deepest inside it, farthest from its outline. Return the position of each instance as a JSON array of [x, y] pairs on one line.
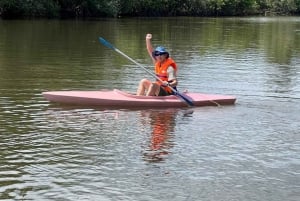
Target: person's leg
[[162, 92], [153, 90], [143, 86]]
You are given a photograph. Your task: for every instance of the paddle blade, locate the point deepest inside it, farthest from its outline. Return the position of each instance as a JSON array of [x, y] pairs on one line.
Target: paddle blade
[[106, 43], [185, 98]]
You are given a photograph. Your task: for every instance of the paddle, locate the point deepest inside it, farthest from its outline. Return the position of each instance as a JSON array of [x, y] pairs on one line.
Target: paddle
[[181, 96]]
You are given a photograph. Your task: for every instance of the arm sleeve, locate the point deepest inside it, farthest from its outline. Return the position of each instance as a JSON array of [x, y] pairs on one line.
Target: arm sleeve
[[171, 73]]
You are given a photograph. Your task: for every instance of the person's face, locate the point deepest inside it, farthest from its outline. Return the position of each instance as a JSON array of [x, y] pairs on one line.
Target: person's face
[[161, 56]]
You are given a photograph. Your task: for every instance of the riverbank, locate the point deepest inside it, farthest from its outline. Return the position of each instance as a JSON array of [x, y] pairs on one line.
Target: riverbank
[[144, 8]]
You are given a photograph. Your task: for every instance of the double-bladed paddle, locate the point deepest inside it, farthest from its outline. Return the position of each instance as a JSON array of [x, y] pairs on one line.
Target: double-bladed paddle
[[180, 95]]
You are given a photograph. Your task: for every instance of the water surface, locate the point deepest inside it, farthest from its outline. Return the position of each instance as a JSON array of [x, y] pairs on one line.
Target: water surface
[[249, 151]]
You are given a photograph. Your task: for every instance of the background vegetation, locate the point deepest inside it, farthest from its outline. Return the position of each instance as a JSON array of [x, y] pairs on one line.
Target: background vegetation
[[119, 8]]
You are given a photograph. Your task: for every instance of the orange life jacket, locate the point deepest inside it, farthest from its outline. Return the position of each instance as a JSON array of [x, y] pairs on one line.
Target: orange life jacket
[[161, 71]]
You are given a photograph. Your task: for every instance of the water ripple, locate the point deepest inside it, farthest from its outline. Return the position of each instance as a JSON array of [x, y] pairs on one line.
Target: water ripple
[[249, 151]]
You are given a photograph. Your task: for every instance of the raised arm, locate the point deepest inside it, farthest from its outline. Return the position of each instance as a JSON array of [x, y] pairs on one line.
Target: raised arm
[[149, 46]]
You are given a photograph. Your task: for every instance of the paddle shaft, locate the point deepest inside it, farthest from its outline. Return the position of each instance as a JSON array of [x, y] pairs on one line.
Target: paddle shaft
[[117, 50], [109, 45], [129, 58]]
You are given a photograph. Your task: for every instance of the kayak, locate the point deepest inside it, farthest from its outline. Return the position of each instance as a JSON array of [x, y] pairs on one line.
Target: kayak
[[118, 98]]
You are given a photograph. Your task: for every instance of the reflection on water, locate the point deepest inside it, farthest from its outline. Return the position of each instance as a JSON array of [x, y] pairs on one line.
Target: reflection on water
[[162, 131]]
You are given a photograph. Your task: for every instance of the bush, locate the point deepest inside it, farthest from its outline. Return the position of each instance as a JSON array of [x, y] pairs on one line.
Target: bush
[[116, 8]]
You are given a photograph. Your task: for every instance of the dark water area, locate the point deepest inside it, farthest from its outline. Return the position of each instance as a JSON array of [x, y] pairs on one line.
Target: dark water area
[[248, 151]]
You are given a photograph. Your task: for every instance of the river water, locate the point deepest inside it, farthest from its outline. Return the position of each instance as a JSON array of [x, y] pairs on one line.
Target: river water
[[248, 151]]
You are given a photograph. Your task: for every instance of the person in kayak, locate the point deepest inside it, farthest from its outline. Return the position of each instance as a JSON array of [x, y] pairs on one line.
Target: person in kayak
[[165, 69]]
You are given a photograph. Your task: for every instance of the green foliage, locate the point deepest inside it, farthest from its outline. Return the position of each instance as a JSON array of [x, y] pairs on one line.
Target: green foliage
[[85, 8], [11, 8], [279, 6], [30, 8], [297, 3], [116, 8]]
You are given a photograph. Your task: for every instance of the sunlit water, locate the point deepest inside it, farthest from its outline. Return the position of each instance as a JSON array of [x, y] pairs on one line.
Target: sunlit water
[[249, 151]]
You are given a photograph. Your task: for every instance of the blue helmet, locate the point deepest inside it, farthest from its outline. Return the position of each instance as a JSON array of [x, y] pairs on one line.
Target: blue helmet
[[161, 49]]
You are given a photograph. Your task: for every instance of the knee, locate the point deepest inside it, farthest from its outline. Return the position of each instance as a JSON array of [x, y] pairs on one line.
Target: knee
[[144, 81]]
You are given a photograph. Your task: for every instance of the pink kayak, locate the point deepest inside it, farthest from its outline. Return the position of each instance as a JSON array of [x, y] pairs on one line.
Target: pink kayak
[[117, 98]]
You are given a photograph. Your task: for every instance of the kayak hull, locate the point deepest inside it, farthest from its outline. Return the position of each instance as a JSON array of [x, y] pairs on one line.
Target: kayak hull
[[117, 98]]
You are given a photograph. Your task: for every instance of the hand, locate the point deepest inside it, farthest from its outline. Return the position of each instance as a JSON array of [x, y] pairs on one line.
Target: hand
[[148, 36], [165, 83]]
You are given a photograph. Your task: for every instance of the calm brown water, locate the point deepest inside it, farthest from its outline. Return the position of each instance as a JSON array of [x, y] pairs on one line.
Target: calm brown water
[[247, 152]]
